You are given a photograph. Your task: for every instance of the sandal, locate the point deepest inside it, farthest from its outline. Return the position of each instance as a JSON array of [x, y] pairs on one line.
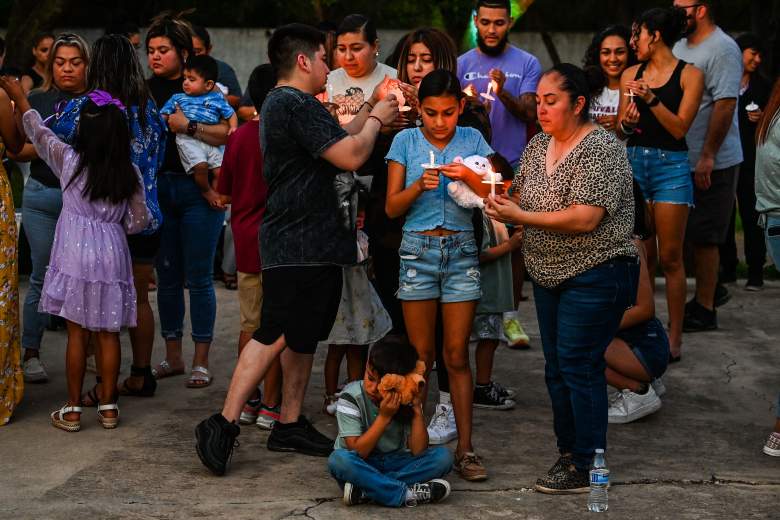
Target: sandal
[[164, 370], [146, 390], [200, 377], [58, 419], [109, 423], [91, 398]]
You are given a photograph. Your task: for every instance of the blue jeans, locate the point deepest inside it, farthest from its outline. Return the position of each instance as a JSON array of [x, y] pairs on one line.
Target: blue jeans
[[772, 236], [439, 268], [188, 243], [577, 320], [385, 477], [41, 207], [663, 175]]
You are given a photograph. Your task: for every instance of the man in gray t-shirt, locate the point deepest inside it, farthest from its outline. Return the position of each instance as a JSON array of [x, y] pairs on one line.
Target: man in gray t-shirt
[[714, 152]]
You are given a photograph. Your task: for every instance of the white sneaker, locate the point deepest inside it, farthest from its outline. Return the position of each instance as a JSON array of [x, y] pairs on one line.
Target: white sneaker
[[34, 371], [658, 386], [442, 429], [627, 406]]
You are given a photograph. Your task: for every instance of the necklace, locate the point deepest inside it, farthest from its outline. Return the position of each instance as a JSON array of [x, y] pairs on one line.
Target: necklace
[[558, 155]]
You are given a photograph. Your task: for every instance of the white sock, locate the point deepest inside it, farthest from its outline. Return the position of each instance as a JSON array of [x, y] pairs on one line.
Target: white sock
[[510, 315], [444, 398]]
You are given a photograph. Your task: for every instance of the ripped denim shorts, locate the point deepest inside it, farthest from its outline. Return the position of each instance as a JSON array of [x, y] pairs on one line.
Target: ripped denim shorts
[[439, 268]]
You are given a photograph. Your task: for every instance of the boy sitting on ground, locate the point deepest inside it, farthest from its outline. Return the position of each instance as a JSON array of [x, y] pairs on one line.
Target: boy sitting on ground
[[381, 453], [203, 103]]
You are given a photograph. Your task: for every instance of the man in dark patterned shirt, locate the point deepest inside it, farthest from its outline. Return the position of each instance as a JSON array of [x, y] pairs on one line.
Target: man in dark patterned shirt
[[303, 242]]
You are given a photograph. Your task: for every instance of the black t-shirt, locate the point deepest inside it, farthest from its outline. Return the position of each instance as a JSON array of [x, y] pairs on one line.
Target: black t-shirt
[[37, 79], [45, 102], [162, 90], [303, 223]]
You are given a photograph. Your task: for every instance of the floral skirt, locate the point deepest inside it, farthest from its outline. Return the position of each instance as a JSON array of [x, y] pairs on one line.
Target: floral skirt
[[361, 319]]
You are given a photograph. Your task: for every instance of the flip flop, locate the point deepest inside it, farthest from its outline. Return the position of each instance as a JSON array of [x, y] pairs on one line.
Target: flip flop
[[164, 370], [200, 377]]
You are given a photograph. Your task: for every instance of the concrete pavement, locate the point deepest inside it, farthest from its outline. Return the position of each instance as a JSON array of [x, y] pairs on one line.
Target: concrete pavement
[[698, 457]]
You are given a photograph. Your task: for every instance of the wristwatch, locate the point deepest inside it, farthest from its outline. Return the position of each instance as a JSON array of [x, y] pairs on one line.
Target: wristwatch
[[192, 127], [654, 102]]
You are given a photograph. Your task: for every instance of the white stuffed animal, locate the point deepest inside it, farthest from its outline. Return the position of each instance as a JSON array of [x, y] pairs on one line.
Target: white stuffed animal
[[459, 190]]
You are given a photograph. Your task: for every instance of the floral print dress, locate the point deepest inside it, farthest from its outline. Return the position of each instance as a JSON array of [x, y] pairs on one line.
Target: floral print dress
[[11, 375]]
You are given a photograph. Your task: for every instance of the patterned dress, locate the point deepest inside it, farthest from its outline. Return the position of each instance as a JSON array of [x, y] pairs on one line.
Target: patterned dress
[[90, 278], [11, 375]]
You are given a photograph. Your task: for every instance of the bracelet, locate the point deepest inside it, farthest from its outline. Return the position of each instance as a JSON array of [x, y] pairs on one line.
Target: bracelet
[[656, 100], [626, 130], [366, 103], [377, 120]]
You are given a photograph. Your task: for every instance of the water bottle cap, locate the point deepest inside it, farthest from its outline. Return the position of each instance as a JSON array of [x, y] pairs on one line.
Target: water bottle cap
[[599, 451]]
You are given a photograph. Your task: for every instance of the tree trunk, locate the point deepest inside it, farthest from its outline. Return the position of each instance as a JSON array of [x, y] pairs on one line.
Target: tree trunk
[[27, 19]]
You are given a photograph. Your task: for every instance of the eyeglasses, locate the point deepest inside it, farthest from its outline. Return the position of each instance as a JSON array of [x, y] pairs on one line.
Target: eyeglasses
[[689, 6]]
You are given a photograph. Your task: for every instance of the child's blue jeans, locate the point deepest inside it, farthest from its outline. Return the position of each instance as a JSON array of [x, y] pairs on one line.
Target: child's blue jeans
[[385, 477]]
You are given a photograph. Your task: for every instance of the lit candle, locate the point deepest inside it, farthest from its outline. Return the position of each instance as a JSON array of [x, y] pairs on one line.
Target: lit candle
[[487, 95]]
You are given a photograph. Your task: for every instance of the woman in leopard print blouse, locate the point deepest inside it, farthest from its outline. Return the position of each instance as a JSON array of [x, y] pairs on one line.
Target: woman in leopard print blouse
[[573, 196]]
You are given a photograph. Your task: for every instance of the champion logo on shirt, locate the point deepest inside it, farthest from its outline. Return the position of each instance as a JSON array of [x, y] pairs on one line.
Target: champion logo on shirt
[[471, 76]]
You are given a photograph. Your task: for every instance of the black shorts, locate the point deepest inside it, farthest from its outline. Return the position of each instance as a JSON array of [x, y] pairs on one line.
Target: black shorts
[[708, 223], [144, 248], [300, 302]]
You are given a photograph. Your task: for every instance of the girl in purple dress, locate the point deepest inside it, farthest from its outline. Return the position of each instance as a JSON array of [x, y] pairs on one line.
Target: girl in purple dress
[[89, 281]]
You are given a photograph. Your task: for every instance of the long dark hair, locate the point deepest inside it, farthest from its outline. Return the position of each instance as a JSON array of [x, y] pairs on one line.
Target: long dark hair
[[103, 145], [439, 43], [116, 69], [769, 115], [592, 61]]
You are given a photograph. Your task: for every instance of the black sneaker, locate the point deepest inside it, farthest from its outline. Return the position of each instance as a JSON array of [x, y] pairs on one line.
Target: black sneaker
[[488, 397], [700, 319], [215, 439], [300, 437], [755, 283], [353, 495], [568, 481], [429, 492], [722, 295], [506, 393]]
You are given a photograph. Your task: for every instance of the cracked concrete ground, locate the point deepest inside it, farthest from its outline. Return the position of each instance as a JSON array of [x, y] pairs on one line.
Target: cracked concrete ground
[[698, 457]]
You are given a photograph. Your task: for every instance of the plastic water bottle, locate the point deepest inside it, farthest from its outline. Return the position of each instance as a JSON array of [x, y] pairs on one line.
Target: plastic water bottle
[[599, 480]]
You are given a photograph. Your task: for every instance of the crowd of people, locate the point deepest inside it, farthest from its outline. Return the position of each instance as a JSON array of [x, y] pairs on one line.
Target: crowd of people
[[398, 206]]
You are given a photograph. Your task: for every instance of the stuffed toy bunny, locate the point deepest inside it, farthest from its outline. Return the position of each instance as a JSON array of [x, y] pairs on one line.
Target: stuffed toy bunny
[[459, 190], [408, 385]]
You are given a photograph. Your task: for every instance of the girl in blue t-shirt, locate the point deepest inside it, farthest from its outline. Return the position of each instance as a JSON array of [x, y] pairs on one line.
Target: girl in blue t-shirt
[[439, 255]]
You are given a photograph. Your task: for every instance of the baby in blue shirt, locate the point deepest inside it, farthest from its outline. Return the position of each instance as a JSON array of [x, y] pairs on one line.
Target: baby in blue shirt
[[201, 103]]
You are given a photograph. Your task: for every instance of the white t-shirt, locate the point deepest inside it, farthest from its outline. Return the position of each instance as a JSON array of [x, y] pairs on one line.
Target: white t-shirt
[[350, 93], [605, 104]]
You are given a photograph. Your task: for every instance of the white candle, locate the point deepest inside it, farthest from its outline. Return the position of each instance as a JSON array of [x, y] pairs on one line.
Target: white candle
[[430, 161], [493, 186]]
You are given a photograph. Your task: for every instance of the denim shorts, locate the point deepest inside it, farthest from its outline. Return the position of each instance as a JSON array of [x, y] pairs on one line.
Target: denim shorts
[[650, 344], [439, 268], [663, 175]]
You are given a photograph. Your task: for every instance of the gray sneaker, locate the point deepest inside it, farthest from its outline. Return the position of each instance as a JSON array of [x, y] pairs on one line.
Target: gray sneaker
[[34, 371]]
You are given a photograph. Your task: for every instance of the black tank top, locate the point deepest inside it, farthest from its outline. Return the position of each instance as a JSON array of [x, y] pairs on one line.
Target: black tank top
[[650, 133]]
